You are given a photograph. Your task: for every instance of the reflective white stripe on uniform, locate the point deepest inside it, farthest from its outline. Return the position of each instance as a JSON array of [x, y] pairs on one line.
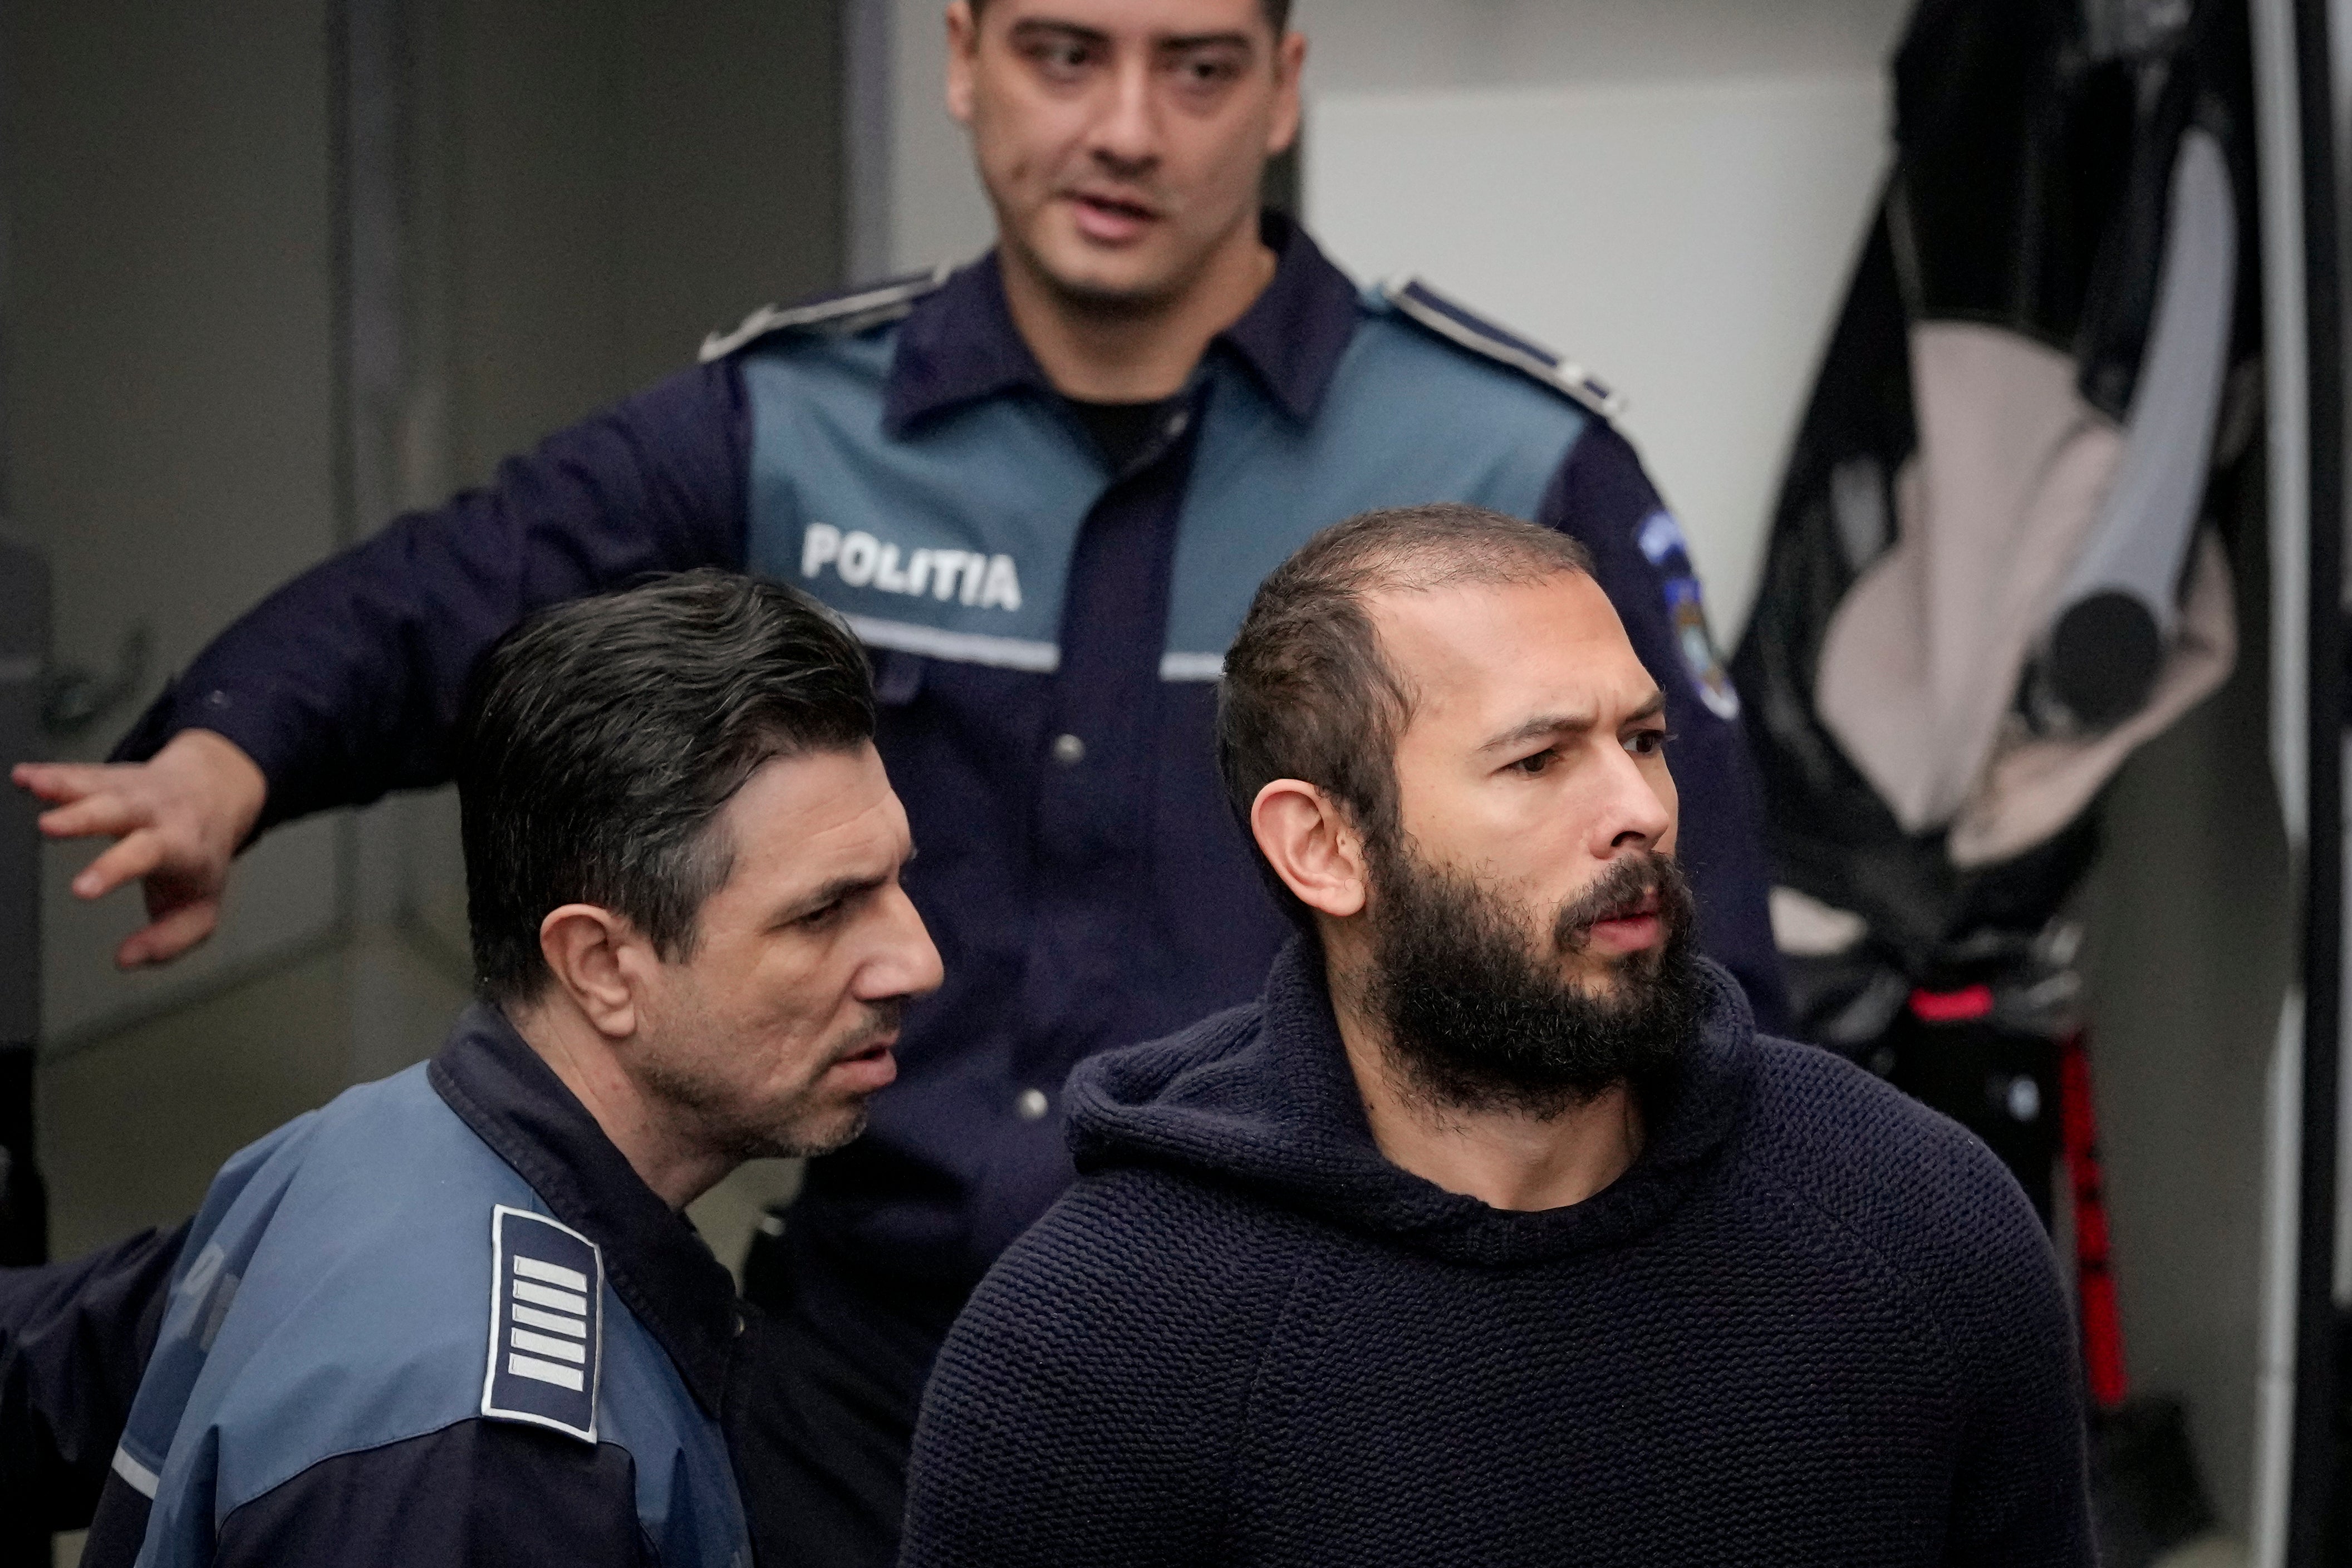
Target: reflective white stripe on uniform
[[547, 1345], [551, 1273], [562, 1301], [539, 1371], [143, 1480], [1191, 666], [964, 647], [552, 1322]]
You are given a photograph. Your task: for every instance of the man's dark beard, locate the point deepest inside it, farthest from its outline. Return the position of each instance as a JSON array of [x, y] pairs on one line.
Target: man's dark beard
[[1477, 1021]]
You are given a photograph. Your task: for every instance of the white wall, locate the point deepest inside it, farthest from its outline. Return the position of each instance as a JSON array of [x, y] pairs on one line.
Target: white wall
[[1362, 45], [1668, 193], [1687, 241], [936, 210]]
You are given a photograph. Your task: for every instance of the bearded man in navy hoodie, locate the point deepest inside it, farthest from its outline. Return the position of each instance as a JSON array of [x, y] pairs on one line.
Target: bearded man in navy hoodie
[[1494, 1233]]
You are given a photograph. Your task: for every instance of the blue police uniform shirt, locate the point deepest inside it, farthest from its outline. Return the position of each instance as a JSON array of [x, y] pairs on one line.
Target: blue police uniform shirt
[[440, 1320], [1046, 632]]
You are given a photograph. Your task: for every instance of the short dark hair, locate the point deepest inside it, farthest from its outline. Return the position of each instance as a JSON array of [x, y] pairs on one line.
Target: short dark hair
[[1277, 13], [1308, 693], [603, 738]]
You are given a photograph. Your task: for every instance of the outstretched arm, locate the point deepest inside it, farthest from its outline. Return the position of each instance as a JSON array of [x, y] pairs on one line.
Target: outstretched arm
[[176, 820], [347, 682]]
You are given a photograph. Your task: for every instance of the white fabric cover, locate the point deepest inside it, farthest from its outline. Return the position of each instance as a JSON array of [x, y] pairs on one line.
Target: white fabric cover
[[1921, 659]]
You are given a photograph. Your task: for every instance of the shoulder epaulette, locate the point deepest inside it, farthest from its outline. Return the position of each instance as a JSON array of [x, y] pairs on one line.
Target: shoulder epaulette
[[1425, 307], [547, 1323], [869, 304]]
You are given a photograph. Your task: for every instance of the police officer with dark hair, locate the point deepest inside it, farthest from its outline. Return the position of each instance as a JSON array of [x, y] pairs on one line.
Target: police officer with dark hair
[[453, 1316], [1041, 489]]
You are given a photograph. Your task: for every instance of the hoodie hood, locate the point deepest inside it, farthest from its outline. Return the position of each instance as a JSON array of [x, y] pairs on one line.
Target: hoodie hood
[[1261, 1098]]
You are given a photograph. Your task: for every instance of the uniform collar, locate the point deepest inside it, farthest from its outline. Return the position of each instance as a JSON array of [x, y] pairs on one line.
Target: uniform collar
[[655, 1263], [959, 344]]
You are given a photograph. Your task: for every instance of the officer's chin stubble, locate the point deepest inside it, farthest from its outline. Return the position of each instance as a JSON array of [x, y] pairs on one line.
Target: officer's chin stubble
[[697, 1069]]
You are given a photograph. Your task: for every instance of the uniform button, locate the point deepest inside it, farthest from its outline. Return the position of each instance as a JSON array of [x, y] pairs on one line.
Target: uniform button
[[1033, 1104], [1069, 750], [1176, 426]]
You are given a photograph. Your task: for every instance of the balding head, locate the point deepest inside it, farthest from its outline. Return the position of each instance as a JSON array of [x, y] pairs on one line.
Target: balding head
[[1307, 692]]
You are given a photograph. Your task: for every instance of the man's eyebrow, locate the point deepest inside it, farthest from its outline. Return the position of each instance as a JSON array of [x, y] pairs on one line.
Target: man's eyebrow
[[1174, 44], [1032, 26], [1539, 726], [832, 893], [1205, 41], [1558, 724]]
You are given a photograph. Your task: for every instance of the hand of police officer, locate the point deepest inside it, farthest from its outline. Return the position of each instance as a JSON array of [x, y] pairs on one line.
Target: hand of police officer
[[178, 820]]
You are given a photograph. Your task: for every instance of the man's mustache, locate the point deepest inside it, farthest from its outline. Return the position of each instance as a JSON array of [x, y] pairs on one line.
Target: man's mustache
[[1623, 890], [882, 1021]]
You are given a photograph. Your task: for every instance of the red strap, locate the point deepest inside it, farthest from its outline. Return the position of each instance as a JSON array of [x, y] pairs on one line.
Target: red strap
[[2103, 1328], [1968, 1003]]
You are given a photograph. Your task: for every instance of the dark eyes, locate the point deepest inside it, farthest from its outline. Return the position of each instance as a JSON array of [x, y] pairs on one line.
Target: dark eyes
[[1640, 743], [1066, 60], [1647, 742], [1207, 70], [1061, 59], [826, 916]]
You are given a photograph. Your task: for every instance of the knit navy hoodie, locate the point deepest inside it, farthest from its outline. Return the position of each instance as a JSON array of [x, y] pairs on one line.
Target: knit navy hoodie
[[1814, 1323]]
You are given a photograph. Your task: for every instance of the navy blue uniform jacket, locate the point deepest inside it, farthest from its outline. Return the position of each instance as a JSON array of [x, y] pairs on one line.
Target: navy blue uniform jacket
[[1814, 1323], [439, 1321], [1046, 635]]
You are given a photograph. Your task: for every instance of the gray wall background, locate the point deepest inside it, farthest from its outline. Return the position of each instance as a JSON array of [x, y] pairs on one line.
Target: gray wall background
[[564, 200]]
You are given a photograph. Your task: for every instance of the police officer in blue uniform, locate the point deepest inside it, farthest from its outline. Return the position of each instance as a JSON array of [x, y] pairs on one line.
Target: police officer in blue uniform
[[456, 1317], [1042, 488]]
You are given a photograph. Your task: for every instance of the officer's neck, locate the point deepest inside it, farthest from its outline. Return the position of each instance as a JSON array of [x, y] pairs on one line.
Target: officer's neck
[[1133, 352], [665, 1148]]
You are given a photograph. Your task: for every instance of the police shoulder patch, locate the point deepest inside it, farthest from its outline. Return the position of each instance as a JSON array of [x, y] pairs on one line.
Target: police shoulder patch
[[1419, 303], [1687, 612], [1660, 539], [853, 310], [547, 1323]]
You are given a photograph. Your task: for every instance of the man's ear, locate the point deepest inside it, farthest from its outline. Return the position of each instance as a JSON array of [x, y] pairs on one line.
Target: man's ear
[[599, 961], [964, 41], [1306, 837], [1289, 65]]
